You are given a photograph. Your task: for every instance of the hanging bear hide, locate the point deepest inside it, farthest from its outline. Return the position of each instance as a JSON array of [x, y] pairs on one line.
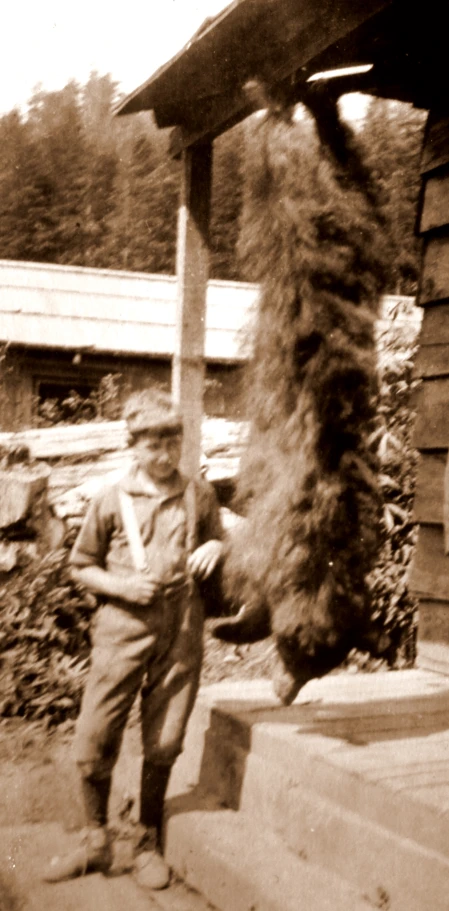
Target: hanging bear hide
[[313, 239]]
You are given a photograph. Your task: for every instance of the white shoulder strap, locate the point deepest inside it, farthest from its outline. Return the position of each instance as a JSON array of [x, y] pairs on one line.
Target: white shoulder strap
[[132, 531]]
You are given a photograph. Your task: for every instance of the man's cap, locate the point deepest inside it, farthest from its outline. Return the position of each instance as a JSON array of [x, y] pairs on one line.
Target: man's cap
[[152, 410]]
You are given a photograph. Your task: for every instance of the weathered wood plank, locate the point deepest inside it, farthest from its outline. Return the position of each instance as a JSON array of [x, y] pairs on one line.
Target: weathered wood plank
[[432, 420], [436, 142], [446, 507], [429, 575], [52, 442], [435, 206], [192, 271], [433, 623], [434, 281], [428, 502], [218, 435], [434, 657], [435, 325], [432, 361], [20, 488]]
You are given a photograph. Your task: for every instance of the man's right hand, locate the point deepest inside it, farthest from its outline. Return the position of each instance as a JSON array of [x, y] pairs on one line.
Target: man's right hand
[[137, 588], [140, 589]]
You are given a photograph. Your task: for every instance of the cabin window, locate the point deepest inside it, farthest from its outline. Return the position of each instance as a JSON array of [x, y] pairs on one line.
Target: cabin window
[[64, 402]]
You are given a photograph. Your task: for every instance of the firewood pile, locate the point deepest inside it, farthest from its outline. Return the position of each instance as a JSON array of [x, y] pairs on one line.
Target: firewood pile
[[48, 476]]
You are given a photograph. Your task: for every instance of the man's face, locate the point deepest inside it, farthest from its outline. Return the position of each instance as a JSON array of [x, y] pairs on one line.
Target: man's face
[[158, 454]]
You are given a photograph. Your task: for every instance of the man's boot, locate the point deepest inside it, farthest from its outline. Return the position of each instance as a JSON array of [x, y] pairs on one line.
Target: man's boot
[[150, 869], [93, 852]]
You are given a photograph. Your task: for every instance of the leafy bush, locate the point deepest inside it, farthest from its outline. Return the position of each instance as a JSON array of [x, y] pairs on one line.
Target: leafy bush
[[44, 640], [394, 608]]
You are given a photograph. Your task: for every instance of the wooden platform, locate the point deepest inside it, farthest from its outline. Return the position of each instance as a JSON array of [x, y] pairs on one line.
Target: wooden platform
[[353, 778]]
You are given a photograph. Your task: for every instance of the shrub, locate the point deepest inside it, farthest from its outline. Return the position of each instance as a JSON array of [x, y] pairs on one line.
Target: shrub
[[393, 605], [44, 640]]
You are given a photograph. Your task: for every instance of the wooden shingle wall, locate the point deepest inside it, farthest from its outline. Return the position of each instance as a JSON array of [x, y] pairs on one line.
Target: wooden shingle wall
[[429, 577]]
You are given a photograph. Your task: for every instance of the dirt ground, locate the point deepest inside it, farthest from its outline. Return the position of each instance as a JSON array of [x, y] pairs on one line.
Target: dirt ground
[[28, 749], [38, 778]]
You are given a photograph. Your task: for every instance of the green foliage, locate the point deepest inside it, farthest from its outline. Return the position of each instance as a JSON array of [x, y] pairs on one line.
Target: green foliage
[[227, 200], [44, 640], [80, 187], [393, 135], [394, 608]]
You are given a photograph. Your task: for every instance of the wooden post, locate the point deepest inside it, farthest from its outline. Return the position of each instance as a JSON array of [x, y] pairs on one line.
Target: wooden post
[[193, 271]]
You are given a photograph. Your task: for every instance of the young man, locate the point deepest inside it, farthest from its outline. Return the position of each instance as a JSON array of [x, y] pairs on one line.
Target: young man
[[144, 544]]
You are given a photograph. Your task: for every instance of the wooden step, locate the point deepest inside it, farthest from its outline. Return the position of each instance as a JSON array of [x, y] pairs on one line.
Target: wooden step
[[353, 781], [384, 759], [238, 866]]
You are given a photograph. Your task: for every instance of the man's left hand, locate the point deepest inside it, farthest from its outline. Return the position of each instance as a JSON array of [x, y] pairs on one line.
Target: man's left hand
[[205, 558]]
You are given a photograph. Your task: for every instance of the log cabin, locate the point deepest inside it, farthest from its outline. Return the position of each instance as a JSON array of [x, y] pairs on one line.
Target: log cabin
[[66, 327]]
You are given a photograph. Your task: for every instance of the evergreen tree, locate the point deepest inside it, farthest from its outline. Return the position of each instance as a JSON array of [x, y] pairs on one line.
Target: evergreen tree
[[26, 222], [80, 186], [227, 197], [392, 133]]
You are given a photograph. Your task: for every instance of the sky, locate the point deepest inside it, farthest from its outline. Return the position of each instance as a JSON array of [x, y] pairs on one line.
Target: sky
[[48, 42]]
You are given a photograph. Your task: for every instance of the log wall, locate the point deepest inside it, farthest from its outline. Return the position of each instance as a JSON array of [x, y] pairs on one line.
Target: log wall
[[429, 577]]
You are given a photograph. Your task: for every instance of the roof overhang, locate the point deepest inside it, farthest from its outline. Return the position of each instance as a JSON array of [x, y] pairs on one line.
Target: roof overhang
[[282, 43]]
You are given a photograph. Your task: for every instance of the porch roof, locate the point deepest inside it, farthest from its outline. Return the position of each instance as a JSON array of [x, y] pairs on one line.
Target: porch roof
[[284, 42]]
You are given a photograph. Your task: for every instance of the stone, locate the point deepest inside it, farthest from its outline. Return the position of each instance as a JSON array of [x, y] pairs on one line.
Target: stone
[[22, 493]]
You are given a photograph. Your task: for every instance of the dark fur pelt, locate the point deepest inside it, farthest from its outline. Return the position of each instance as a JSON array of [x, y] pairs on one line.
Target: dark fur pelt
[[313, 240]]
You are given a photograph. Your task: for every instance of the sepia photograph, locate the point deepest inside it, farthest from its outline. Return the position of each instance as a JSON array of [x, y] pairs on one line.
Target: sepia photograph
[[224, 471]]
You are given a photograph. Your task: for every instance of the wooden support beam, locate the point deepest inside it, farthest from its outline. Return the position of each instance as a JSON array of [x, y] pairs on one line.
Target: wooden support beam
[[192, 271]]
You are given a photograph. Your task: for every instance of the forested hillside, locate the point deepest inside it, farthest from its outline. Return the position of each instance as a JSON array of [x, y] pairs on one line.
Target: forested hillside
[[80, 187]]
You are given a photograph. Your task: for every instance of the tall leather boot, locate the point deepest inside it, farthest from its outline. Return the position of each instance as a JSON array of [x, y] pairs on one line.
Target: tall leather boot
[[150, 868], [153, 787], [93, 851], [96, 793]]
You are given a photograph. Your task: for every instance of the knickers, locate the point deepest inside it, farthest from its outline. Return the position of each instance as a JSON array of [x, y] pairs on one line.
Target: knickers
[[155, 650]]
